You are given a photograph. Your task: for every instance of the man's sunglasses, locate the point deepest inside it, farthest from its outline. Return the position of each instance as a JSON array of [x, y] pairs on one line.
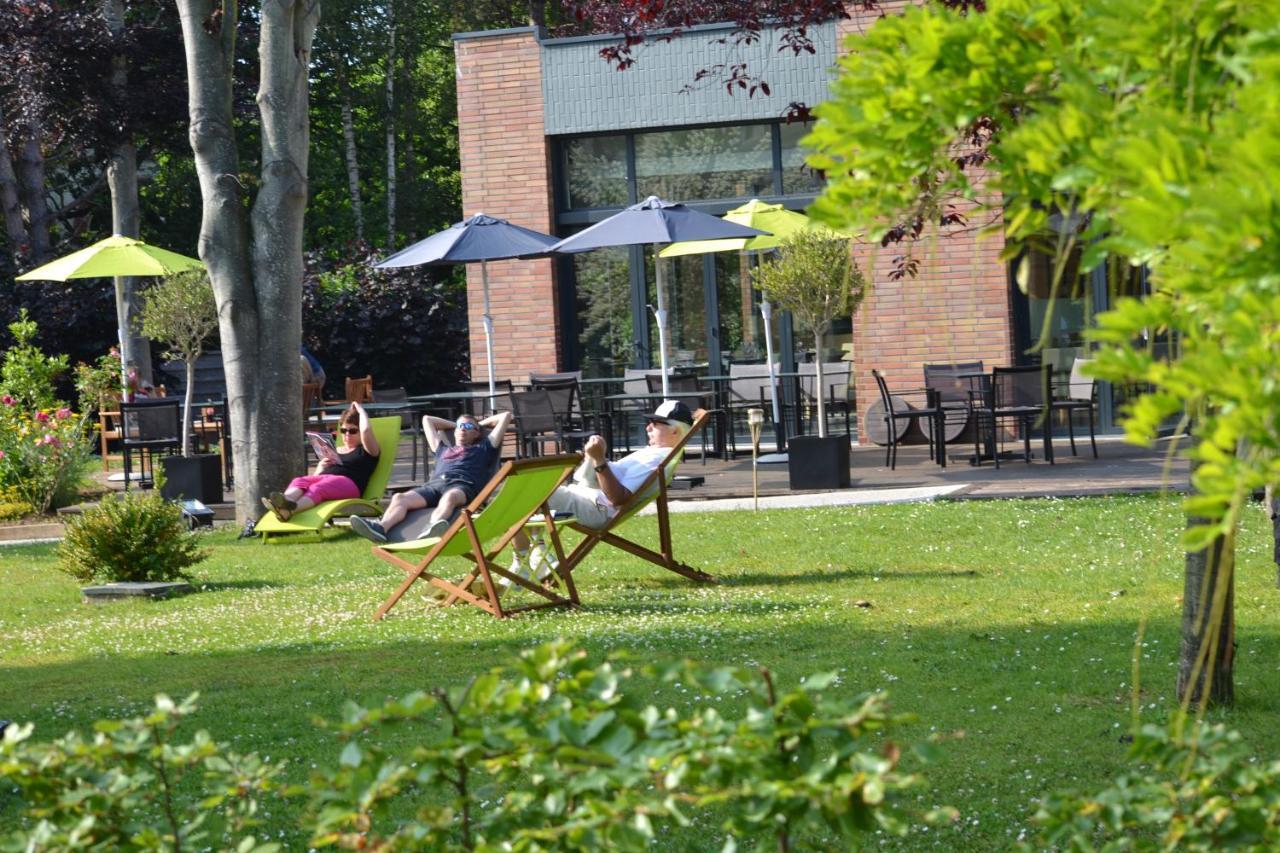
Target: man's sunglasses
[[466, 425], [347, 431]]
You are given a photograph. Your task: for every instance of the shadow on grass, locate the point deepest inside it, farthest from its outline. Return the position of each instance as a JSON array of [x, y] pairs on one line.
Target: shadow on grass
[[753, 578], [221, 586]]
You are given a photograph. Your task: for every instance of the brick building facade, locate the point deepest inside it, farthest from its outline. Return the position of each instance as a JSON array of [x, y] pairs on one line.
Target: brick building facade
[[959, 307]]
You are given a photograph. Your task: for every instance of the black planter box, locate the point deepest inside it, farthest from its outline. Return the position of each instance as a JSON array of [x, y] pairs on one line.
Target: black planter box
[[818, 463], [193, 478]]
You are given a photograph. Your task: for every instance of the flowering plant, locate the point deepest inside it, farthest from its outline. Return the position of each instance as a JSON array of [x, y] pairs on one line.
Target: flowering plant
[[42, 453]]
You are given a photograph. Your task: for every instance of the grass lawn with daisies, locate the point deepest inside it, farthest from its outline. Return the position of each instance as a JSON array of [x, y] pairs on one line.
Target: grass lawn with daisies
[[1006, 628]]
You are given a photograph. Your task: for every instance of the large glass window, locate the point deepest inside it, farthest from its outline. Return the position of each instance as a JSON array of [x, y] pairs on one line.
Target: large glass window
[[686, 310], [604, 311], [707, 163], [596, 172], [797, 178]]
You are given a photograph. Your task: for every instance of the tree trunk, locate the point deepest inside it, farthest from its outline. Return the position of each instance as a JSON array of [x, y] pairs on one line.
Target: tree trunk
[[122, 179], [820, 390], [31, 190], [391, 125], [258, 285], [349, 142], [1273, 508], [188, 395], [1207, 652], [10, 206]]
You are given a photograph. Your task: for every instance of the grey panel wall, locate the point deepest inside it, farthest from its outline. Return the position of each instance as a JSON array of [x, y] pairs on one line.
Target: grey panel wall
[[584, 94]]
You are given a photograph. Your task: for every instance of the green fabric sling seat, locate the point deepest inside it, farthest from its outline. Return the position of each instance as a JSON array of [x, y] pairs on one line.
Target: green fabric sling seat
[[479, 534], [312, 519], [652, 490]]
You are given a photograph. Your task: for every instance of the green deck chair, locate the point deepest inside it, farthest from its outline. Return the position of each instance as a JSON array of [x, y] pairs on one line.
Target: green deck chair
[[652, 490], [311, 520], [480, 532]]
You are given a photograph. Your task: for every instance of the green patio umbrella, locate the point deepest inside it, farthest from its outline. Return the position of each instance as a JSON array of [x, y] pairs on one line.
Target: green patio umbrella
[[114, 257], [781, 224]]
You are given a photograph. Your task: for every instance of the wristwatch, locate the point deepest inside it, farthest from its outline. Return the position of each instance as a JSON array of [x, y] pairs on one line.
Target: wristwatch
[[601, 467]]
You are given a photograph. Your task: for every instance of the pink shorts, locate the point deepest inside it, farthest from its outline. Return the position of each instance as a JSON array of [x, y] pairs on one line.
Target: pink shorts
[[326, 487]]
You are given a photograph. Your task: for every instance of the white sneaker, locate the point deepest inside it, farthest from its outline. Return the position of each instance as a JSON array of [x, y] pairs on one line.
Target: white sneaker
[[520, 564], [542, 560]]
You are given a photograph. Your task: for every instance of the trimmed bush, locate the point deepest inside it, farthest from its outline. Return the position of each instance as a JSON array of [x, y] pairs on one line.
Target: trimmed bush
[[136, 537]]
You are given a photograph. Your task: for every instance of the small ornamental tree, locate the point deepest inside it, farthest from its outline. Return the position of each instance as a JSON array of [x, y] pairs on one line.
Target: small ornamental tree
[[815, 279], [180, 312]]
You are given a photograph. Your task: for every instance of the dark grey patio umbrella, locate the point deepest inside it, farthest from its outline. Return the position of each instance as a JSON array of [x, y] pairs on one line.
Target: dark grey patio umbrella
[[655, 222], [480, 238]]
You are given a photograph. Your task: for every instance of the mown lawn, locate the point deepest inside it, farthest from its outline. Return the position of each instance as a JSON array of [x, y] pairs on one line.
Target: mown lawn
[[1006, 627]]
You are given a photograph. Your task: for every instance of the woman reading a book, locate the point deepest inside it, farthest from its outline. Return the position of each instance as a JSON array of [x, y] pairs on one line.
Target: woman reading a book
[[342, 472]]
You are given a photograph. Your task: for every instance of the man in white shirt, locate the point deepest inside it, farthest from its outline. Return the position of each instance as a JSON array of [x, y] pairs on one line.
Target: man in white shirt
[[599, 487]]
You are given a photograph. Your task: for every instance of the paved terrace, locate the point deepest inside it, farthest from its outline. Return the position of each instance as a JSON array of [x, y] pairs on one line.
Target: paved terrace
[[1119, 469]]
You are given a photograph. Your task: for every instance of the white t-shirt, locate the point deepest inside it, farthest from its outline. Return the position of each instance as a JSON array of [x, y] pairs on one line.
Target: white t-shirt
[[631, 471]]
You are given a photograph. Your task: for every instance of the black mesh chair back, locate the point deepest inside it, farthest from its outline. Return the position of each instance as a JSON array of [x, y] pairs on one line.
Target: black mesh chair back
[[950, 382], [564, 393], [1018, 387], [1017, 394], [395, 396], [502, 389], [1081, 396], [536, 421], [151, 428]]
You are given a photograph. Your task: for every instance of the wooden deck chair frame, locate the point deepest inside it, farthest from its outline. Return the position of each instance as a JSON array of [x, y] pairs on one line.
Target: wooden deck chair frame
[[654, 488], [312, 519], [520, 489]]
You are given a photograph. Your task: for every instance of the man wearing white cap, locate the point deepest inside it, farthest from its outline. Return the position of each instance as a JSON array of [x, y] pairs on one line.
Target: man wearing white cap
[[599, 486]]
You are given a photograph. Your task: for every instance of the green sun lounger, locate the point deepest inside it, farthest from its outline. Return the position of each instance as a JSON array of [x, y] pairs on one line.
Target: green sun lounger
[[312, 519]]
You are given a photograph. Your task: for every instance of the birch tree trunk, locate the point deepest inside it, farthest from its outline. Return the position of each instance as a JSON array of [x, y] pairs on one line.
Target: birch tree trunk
[[254, 259], [349, 143], [10, 206], [122, 180], [391, 124], [31, 189]]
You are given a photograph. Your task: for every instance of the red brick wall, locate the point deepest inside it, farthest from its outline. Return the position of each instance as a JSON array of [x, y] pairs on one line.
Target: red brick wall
[[506, 172], [956, 308]]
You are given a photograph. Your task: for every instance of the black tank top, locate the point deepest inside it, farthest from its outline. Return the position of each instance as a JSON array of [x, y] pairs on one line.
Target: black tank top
[[356, 465]]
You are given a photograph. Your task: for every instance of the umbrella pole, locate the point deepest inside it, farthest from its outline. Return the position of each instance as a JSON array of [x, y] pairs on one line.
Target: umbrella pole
[[488, 335], [660, 275], [766, 311], [120, 339]]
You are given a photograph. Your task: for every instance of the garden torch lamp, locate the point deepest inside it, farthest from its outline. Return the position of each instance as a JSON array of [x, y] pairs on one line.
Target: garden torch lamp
[[755, 420]]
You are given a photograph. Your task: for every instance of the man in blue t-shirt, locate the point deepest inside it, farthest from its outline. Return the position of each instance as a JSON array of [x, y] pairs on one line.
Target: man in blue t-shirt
[[467, 452]]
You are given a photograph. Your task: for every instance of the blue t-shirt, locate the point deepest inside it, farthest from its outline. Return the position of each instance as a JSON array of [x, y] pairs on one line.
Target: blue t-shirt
[[472, 464]]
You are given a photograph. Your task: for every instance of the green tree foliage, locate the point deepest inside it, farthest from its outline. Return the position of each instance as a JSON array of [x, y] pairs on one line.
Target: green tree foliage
[[180, 311], [121, 788], [406, 327], [552, 752], [1201, 791], [1153, 130], [815, 279]]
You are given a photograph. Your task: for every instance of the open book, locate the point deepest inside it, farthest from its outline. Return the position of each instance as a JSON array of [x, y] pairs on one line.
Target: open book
[[322, 445]]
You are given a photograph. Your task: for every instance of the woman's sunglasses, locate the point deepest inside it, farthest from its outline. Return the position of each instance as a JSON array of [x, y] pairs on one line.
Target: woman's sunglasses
[[348, 431]]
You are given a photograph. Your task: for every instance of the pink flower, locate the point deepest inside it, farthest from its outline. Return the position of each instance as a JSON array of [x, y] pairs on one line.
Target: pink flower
[[64, 413], [42, 417], [52, 440], [7, 400], [1, 454]]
